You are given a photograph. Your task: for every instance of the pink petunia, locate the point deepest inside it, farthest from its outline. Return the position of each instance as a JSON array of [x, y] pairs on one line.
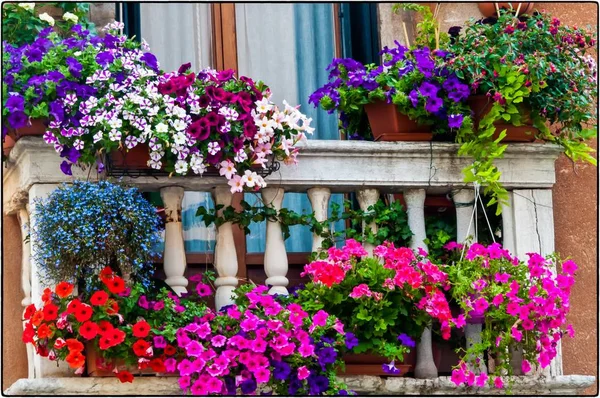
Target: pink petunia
[[516, 334], [525, 366], [570, 331], [498, 382], [320, 318], [262, 375], [218, 341], [481, 379], [497, 300], [569, 267], [303, 372]]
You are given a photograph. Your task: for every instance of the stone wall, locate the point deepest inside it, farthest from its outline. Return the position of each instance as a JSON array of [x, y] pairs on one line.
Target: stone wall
[[14, 354], [102, 14]]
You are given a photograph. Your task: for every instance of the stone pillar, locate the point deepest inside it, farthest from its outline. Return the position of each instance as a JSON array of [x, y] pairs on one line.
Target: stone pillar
[[319, 200], [534, 220], [23, 216], [415, 207], [366, 198], [225, 261], [464, 200], [42, 367], [174, 255], [276, 262]]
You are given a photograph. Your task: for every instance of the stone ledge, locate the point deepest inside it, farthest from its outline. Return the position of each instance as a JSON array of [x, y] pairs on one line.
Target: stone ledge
[[158, 386]]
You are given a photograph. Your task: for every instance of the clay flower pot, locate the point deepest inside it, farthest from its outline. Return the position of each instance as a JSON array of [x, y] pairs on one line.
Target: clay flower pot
[[134, 158], [387, 124], [36, 127], [371, 364], [481, 105], [489, 9], [7, 145]]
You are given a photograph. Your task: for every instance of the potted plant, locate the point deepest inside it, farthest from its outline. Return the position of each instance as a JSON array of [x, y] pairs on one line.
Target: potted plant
[[217, 121], [522, 305], [84, 227], [492, 9], [52, 87], [385, 301], [530, 75]]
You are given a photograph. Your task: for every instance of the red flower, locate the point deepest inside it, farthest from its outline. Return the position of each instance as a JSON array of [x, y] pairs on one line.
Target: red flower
[[28, 333], [50, 312], [83, 313], [74, 345], [47, 295], [73, 306], [113, 308], [99, 298], [105, 326], [75, 359], [105, 341], [125, 377], [116, 284], [158, 365], [88, 330], [140, 347], [44, 332], [37, 318], [141, 329], [112, 338], [60, 343], [170, 350], [64, 289], [29, 311], [42, 350], [106, 273]]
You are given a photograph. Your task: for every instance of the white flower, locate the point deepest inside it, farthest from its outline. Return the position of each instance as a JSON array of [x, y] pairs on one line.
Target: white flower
[[227, 169], [114, 135], [78, 144], [162, 128], [58, 147], [47, 18], [249, 178], [77, 53], [213, 148], [97, 136], [67, 16], [181, 167], [155, 164], [27, 6], [236, 184], [240, 156], [179, 125], [49, 138], [198, 167], [266, 125], [263, 105], [156, 155], [225, 128], [179, 139], [115, 123], [130, 141]]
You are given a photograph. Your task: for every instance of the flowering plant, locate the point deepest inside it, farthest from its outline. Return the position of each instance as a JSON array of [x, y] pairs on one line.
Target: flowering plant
[[260, 344], [70, 82], [21, 22], [524, 307], [386, 300], [217, 120], [530, 67], [84, 227], [415, 80]]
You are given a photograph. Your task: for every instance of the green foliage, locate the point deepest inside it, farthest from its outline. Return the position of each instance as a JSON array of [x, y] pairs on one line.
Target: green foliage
[[428, 29], [21, 22]]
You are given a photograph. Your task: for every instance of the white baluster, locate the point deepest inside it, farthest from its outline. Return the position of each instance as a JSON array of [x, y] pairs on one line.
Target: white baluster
[[319, 200], [225, 253], [276, 262], [464, 200], [42, 367], [415, 208], [174, 256], [366, 198], [26, 278]]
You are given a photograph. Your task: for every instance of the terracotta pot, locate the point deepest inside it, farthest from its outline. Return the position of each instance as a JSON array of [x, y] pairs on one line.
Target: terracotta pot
[[134, 158], [481, 105], [7, 145], [387, 124], [37, 127], [96, 367], [370, 364], [489, 9]]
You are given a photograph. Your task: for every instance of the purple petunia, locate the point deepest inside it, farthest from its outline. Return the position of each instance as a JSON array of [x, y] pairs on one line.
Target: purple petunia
[[433, 104], [428, 89], [248, 386], [351, 340], [74, 66], [326, 355], [104, 58], [455, 121], [390, 368], [406, 340], [414, 98], [65, 167], [317, 384], [15, 103], [281, 370], [150, 60], [17, 120]]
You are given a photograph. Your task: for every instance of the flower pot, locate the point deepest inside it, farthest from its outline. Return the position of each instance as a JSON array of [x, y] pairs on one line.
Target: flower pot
[[96, 367], [387, 124], [481, 105], [489, 9], [36, 127], [134, 158], [371, 364], [7, 145]]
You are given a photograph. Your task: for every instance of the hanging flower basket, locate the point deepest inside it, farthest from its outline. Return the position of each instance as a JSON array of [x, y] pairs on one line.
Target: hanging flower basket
[[387, 124]]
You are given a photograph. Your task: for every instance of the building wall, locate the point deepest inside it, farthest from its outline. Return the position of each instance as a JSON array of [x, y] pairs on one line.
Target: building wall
[[14, 353]]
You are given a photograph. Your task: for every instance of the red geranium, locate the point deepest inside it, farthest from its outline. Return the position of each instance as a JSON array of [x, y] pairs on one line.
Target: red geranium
[[29, 311], [88, 330], [141, 329], [83, 312], [50, 312], [140, 348], [99, 298], [125, 377], [44, 332], [116, 284], [63, 289]]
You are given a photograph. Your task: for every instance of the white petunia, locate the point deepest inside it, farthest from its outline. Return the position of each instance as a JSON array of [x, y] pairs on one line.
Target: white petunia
[[47, 18], [179, 125], [157, 155], [181, 167], [68, 16], [162, 128]]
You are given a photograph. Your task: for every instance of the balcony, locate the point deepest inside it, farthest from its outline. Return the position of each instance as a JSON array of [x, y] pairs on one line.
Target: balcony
[[365, 168]]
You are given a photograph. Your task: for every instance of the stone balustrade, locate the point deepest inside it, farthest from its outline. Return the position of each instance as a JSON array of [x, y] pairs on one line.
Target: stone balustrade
[[366, 168]]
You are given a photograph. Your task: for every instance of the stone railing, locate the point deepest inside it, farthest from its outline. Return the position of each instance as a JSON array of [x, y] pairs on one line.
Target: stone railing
[[366, 168]]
